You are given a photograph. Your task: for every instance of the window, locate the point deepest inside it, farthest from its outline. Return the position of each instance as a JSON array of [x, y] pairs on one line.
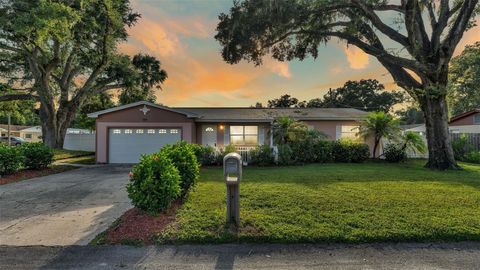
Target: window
[[244, 135], [28, 136], [173, 131], [128, 131], [116, 131], [162, 131], [139, 131], [209, 129], [349, 132], [476, 118], [151, 131]]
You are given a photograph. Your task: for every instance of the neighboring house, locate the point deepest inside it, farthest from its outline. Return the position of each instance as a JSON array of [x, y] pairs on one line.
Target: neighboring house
[[28, 133], [74, 140], [466, 124], [124, 133]]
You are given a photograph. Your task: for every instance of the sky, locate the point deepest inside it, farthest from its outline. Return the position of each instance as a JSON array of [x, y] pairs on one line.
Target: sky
[[180, 33]]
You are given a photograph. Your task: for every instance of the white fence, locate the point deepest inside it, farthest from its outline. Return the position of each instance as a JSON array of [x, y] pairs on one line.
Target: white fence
[[83, 142]]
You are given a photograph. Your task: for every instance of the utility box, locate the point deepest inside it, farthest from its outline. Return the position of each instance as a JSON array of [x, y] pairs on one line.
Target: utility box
[[232, 174]]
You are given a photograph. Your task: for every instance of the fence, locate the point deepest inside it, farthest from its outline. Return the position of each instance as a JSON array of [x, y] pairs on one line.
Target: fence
[[244, 151], [83, 142], [473, 139]]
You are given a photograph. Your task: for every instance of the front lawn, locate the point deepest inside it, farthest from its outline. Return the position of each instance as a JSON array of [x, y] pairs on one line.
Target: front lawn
[[367, 202], [60, 154]]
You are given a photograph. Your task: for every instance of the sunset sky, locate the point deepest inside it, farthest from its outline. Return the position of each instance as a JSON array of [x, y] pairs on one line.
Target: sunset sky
[[180, 34]]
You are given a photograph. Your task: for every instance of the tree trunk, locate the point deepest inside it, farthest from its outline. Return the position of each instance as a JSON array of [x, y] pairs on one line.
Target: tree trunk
[[54, 129], [438, 137], [375, 146]]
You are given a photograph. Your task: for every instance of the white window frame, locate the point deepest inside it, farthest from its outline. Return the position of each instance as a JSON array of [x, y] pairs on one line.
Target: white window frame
[[243, 135], [349, 131], [476, 118]]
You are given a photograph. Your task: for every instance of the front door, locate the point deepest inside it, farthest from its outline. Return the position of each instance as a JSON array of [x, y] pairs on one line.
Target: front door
[[209, 135]]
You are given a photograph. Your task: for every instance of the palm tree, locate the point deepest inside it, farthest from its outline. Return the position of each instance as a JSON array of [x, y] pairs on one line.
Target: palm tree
[[286, 129], [379, 125], [413, 142]]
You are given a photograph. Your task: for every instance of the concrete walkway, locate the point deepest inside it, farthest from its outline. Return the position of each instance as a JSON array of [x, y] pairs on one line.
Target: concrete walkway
[[380, 256], [68, 208]]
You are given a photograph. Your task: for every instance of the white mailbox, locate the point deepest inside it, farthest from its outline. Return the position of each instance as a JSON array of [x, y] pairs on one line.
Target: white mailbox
[[232, 174]]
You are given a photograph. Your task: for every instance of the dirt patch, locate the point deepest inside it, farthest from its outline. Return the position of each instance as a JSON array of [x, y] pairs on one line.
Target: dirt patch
[[28, 174], [137, 227]]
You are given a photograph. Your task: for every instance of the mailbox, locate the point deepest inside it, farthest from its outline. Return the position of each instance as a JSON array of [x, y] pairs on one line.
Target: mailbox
[[232, 174]]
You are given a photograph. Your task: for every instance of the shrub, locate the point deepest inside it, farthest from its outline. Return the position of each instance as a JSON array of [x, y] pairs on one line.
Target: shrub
[[304, 151], [359, 152], [262, 156], [37, 155], [394, 153], [184, 159], [230, 148], [461, 147], [285, 154], [206, 155], [350, 151], [10, 159], [323, 151], [155, 183], [473, 157]]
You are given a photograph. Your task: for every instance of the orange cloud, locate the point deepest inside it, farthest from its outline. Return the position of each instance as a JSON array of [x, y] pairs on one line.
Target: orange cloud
[[469, 37], [356, 57]]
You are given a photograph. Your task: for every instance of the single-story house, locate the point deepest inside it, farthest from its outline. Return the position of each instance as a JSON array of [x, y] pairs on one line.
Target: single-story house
[[465, 123], [125, 132], [28, 133]]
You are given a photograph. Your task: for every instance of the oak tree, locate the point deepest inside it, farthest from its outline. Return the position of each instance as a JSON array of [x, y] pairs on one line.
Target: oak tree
[[425, 32]]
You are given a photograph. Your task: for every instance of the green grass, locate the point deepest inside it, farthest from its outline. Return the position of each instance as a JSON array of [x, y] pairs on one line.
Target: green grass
[[86, 160], [371, 202], [60, 154]]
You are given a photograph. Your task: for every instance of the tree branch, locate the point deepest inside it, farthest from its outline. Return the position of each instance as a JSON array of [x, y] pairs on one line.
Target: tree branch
[[12, 97]]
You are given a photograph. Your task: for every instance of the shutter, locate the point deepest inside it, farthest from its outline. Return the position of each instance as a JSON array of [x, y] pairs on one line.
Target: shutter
[[226, 135], [338, 132], [261, 135]]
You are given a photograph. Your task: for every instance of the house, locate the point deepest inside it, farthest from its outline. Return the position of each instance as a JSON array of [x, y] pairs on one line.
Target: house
[[125, 132], [466, 124], [28, 133]]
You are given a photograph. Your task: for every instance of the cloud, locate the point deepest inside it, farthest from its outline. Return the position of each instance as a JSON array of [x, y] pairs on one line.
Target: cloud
[[280, 68], [356, 57]]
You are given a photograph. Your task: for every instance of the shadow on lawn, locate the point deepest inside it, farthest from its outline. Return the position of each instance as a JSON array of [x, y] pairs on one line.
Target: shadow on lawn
[[372, 171]]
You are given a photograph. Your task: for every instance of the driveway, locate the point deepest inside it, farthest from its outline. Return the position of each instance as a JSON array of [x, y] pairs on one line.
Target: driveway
[[68, 208]]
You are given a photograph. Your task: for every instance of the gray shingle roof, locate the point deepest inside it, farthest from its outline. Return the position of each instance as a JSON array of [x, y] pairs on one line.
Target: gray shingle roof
[[268, 114]]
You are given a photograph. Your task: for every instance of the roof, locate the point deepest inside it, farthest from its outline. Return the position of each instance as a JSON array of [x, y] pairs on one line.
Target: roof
[[245, 114], [460, 116], [14, 127], [269, 114], [146, 103]]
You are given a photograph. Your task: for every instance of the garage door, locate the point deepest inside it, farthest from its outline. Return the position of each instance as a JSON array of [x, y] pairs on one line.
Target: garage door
[[125, 145]]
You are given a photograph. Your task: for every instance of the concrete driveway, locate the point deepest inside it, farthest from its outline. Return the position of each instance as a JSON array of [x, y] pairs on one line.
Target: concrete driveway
[[68, 208]]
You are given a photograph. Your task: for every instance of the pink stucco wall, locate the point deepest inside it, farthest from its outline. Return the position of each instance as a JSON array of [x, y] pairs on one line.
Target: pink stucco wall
[[103, 127]]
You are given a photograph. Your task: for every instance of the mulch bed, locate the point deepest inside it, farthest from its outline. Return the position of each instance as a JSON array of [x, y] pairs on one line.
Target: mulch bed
[[27, 174], [137, 227]]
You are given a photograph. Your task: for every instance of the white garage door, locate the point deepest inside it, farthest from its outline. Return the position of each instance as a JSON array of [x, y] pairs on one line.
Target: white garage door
[[125, 145]]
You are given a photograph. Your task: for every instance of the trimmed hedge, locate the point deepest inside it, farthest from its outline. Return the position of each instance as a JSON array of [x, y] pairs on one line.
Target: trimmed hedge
[[10, 159], [36, 155], [262, 156], [183, 157], [154, 183], [206, 155]]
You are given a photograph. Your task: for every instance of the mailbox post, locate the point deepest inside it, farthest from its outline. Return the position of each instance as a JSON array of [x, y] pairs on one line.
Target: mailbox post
[[232, 174]]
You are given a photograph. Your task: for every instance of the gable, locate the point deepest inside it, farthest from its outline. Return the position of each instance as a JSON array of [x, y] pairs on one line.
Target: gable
[[136, 114]]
